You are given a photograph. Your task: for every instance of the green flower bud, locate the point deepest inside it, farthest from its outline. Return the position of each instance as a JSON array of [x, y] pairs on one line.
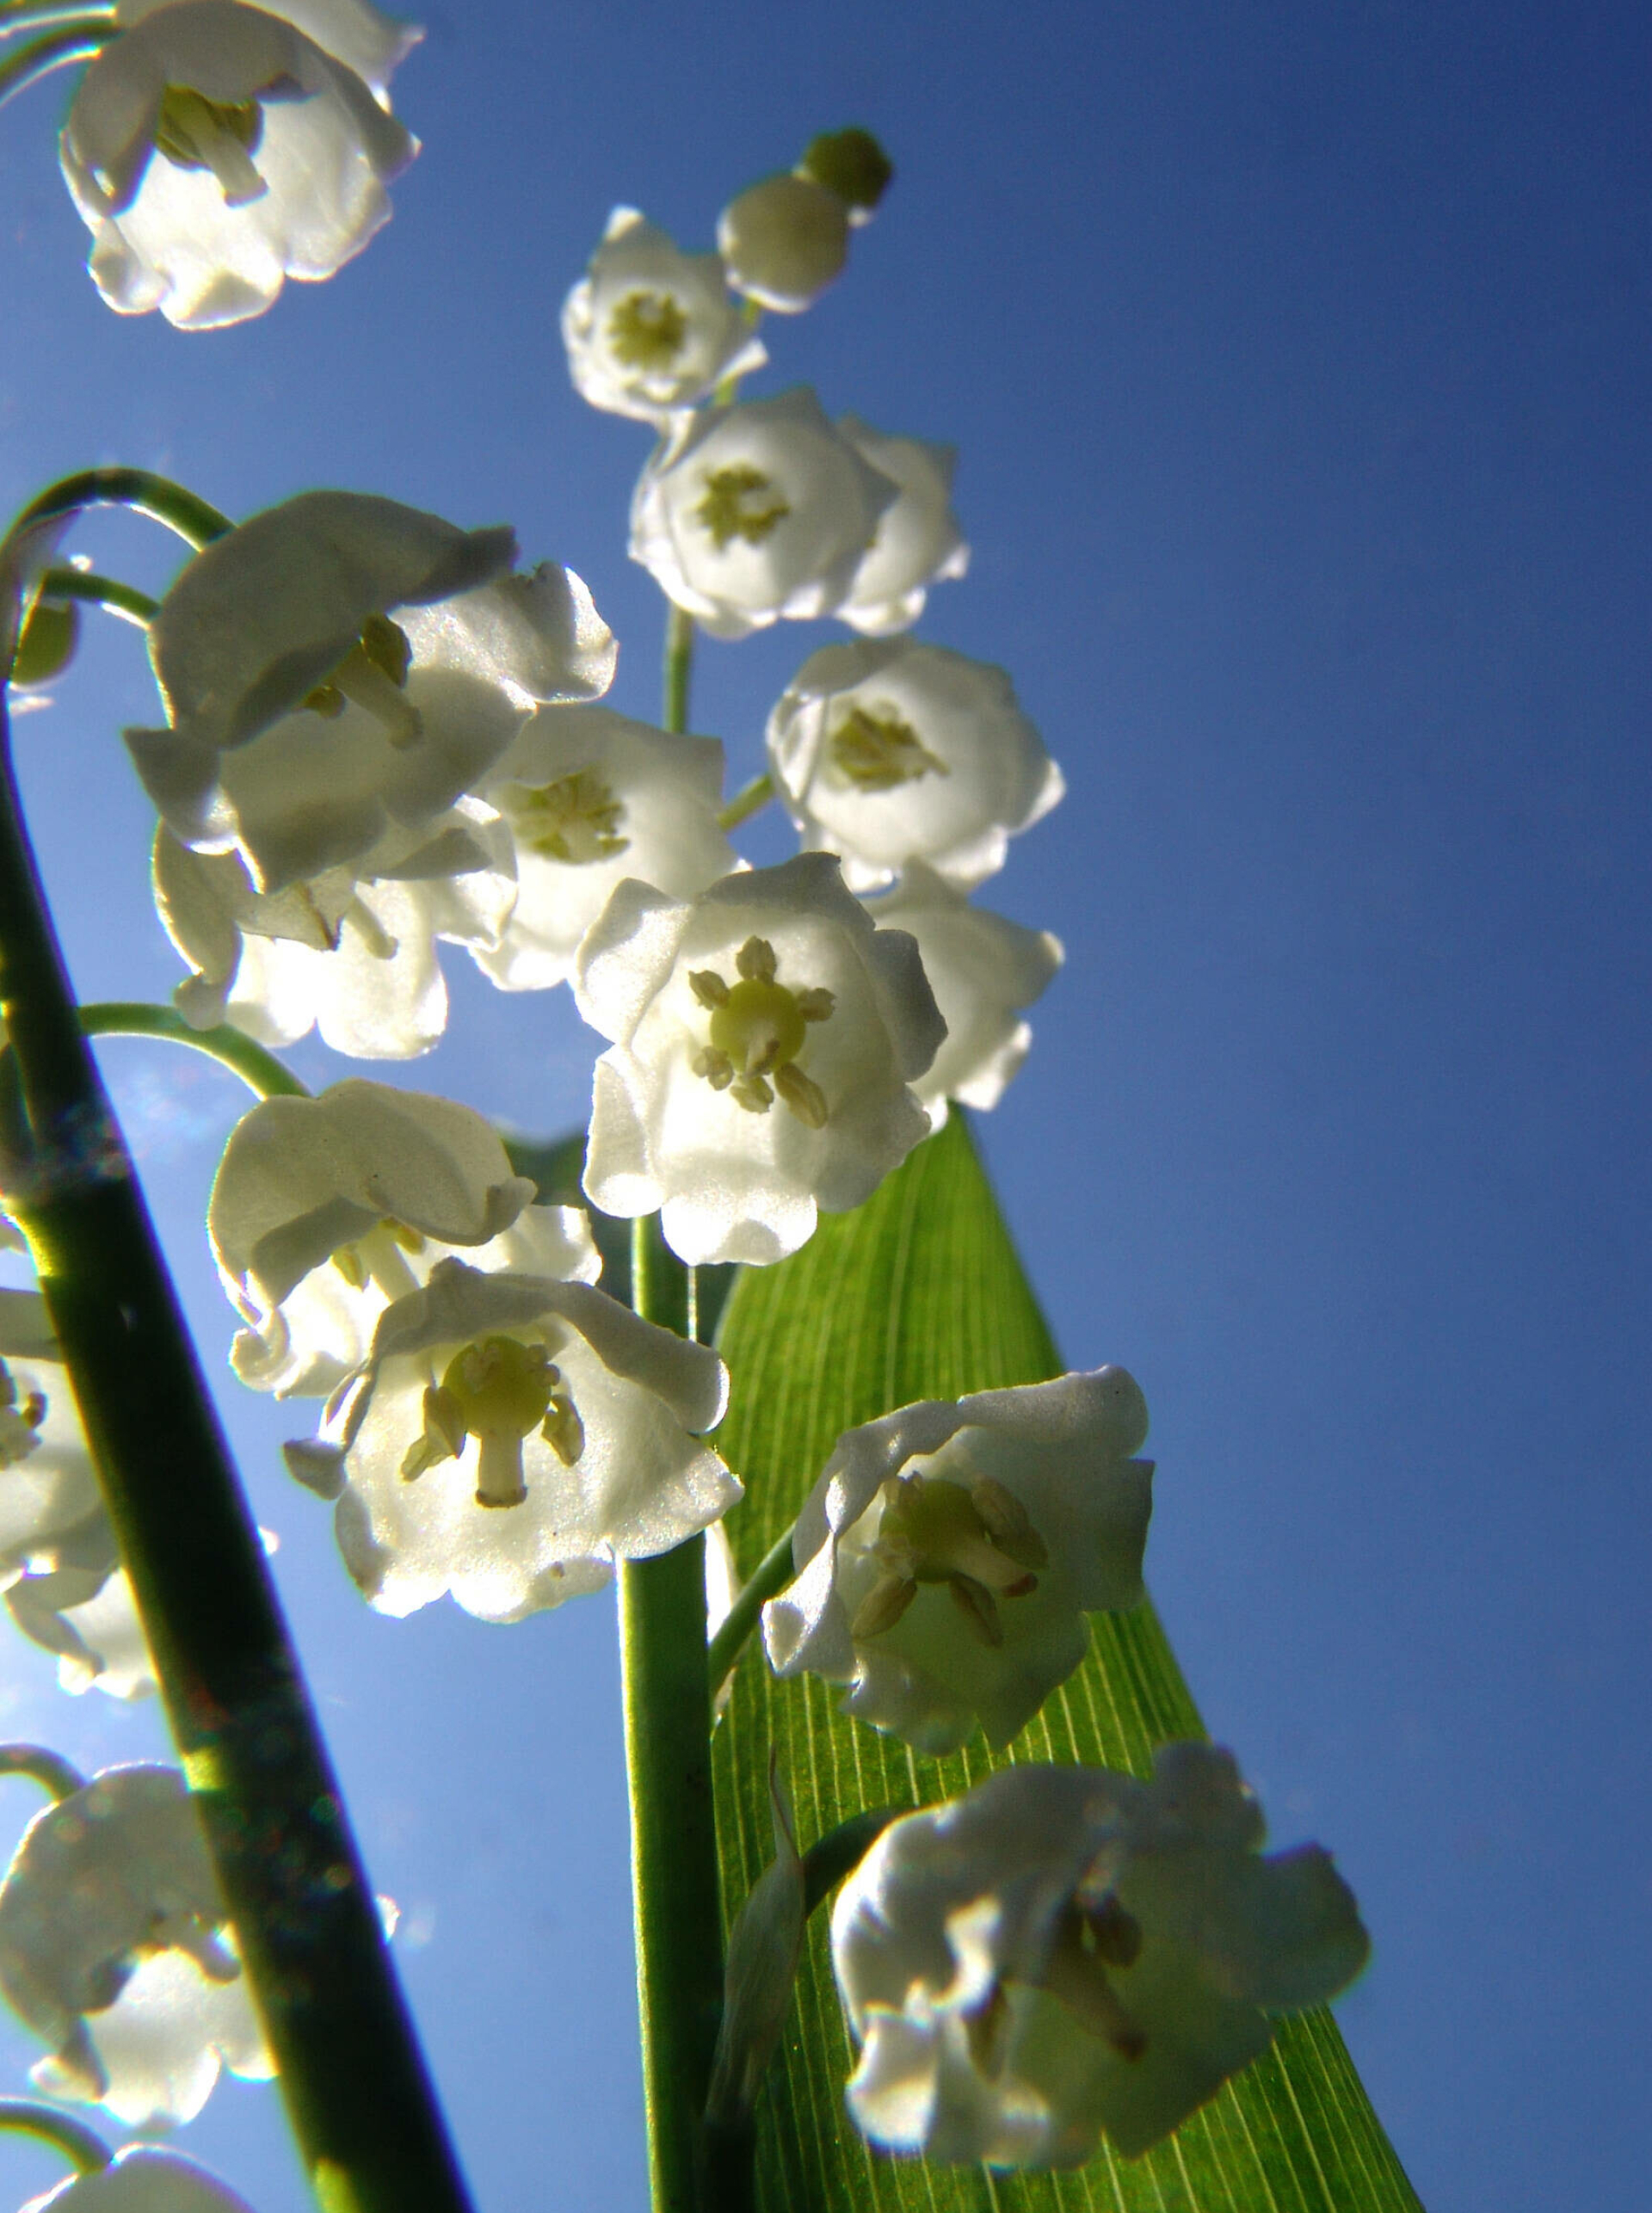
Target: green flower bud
[[47, 644], [850, 163]]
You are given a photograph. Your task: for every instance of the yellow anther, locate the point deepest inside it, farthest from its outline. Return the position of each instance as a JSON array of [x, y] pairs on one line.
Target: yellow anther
[[351, 1266], [726, 512], [498, 1391], [755, 961], [576, 819], [562, 1428], [708, 987], [1075, 1972], [802, 1094], [932, 1530], [1007, 1523], [979, 1609], [195, 132], [816, 1004], [646, 330], [373, 674], [716, 1067], [882, 1605], [751, 1092], [879, 752], [758, 1028]]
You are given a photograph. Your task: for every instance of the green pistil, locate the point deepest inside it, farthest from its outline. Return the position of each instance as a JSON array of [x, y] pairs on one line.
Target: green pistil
[[725, 511], [373, 673], [646, 330], [575, 820], [879, 751]]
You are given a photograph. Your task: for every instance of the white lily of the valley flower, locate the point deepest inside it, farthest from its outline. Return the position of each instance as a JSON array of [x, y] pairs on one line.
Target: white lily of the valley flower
[[756, 512], [650, 330], [589, 798], [213, 150], [982, 969], [950, 1552], [326, 1211], [918, 543], [142, 2180], [765, 1038], [114, 1951], [509, 1440], [1068, 1953], [885, 751], [60, 1564], [340, 667], [351, 951]]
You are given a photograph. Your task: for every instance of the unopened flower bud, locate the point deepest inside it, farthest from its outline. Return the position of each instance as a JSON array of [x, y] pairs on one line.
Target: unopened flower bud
[[783, 241], [850, 163], [47, 644]]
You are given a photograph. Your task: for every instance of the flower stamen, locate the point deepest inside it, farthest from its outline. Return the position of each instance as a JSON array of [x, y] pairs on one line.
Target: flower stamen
[[373, 674], [879, 752], [725, 513], [758, 1028], [646, 330], [978, 1541], [576, 819], [193, 131], [500, 1391]]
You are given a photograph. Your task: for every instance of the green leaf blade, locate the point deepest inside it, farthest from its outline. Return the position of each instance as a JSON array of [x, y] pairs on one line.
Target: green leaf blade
[[920, 1294]]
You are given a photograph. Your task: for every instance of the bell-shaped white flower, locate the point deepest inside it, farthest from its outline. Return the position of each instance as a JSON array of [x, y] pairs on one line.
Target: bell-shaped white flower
[[142, 2178], [114, 1951], [509, 1440], [1068, 1953], [340, 666], [213, 150], [351, 951], [650, 330], [60, 1564], [324, 1211], [918, 542], [982, 969], [783, 240], [589, 798], [765, 1039], [950, 1552], [756, 512], [885, 751]]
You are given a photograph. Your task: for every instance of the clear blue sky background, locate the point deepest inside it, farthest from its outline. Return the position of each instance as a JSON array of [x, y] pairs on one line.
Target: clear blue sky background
[[1299, 358]]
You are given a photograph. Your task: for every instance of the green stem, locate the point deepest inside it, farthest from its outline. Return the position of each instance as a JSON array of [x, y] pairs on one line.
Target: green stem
[[362, 2108], [71, 42], [193, 518], [751, 799], [84, 2148], [257, 1067], [679, 668], [124, 600], [54, 1775], [773, 1573], [673, 1828]]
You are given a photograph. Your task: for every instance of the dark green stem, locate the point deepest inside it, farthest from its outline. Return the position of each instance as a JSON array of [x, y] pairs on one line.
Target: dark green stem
[[679, 667], [84, 2148], [257, 1067], [193, 518], [673, 1828], [362, 2107], [773, 1573], [71, 42], [751, 799], [124, 600], [41, 1764]]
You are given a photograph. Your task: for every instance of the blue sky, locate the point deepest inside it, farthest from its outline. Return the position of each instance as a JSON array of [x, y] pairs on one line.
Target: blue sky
[[1299, 360]]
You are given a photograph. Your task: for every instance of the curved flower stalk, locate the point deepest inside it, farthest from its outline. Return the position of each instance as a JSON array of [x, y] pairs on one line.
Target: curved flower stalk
[[590, 797], [650, 330], [919, 542], [765, 1038], [786, 239], [115, 1950], [213, 150], [142, 2180], [324, 1211], [351, 951], [755, 513], [60, 1563], [509, 1438], [1068, 1953], [889, 751], [983, 970], [340, 667], [948, 1554]]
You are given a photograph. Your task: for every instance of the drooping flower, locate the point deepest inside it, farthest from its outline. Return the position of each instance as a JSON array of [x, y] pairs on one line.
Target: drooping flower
[[213, 150], [351, 951], [340, 667], [115, 1950], [948, 1555], [765, 1038], [919, 542], [1068, 1953], [650, 330], [509, 1440], [757, 512], [589, 798], [142, 2180], [60, 1563], [324, 1211], [886, 751], [983, 970]]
